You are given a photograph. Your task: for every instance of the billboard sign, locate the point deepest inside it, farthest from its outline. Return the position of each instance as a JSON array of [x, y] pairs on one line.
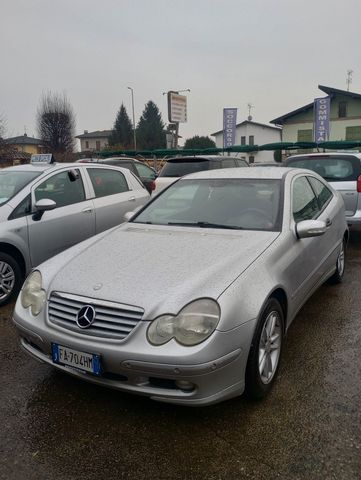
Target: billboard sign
[[321, 127], [229, 126], [177, 108]]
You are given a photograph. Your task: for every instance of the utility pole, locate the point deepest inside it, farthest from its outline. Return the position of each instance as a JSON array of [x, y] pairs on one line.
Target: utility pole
[[349, 79], [134, 134], [250, 106]]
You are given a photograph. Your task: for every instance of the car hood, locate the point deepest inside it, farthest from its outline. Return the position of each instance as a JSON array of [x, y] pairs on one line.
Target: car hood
[[159, 269]]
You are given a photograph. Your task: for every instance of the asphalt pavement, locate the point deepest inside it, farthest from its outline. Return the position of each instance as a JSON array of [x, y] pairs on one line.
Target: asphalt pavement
[[54, 427]]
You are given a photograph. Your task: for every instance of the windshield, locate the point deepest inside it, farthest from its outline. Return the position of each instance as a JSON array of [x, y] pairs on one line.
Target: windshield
[[11, 182], [240, 204], [331, 168], [179, 168]]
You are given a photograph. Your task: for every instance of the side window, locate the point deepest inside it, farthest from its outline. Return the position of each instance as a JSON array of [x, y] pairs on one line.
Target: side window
[[145, 172], [241, 163], [322, 192], [64, 188], [304, 201], [228, 163], [107, 181], [23, 209]]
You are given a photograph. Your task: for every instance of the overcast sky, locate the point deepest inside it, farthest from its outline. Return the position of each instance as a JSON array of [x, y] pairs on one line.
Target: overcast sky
[[271, 53]]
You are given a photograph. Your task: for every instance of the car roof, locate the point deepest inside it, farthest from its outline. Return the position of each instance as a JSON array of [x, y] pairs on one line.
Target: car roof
[[325, 154], [54, 166], [252, 173], [197, 157]]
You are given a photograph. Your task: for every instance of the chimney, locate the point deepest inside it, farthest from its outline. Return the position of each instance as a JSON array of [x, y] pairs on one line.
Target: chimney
[[85, 131]]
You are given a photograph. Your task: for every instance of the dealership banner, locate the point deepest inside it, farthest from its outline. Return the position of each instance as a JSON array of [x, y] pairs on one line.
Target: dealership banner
[[229, 126], [321, 127]]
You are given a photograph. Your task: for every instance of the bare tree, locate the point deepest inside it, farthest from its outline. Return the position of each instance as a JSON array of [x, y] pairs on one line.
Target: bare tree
[[56, 123]]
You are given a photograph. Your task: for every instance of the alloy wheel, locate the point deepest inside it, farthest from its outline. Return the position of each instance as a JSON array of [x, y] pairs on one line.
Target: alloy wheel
[[269, 347], [7, 280]]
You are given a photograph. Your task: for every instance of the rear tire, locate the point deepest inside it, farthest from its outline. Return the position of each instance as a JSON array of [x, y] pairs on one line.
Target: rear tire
[[11, 278], [340, 265], [265, 353]]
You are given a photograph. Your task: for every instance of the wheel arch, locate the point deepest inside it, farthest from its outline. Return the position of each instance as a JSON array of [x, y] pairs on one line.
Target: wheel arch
[[280, 295], [16, 254]]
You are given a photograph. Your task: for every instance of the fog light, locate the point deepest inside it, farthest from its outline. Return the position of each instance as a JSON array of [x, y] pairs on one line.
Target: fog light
[[184, 385]]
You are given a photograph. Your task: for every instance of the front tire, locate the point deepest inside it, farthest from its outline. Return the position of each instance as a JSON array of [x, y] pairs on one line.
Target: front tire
[[340, 265], [10, 278], [265, 353]]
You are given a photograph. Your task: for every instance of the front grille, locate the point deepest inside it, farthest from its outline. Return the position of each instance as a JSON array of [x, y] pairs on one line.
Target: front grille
[[112, 320]]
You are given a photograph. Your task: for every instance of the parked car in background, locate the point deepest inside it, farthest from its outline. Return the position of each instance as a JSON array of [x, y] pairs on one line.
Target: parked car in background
[[180, 166], [271, 164], [146, 174], [342, 171], [241, 252], [46, 208]]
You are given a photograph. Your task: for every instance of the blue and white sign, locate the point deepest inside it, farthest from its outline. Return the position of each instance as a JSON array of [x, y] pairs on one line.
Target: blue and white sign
[[229, 126], [42, 158], [322, 119]]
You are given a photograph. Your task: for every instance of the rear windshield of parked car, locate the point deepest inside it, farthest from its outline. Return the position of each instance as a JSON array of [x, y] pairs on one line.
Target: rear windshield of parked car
[[239, 204], [334, 169], [178, 168], [11, 182]]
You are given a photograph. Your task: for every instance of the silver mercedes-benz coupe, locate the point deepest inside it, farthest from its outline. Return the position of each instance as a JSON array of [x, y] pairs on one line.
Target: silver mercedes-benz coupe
[[188, 302]]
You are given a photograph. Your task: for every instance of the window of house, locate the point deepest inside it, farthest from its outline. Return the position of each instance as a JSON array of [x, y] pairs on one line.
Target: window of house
[[353, 133], [304, 135], [251, 159], [97, 144], [243, 140], [342, 109], [251, 140], [86, 144]]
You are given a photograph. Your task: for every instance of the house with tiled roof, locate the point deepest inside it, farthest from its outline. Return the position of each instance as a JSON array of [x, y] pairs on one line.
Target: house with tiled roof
[[26, 144], [345, 118], [94, 141]]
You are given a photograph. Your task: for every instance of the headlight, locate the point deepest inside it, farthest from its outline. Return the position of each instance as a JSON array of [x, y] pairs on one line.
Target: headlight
[[32, 294], [193, 324]]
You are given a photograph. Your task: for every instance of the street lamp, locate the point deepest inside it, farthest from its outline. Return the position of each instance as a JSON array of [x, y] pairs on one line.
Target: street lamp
[[135, 138]]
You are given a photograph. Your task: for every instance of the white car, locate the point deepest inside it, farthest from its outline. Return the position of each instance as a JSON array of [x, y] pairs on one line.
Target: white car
[[46, 208], [180, 166]]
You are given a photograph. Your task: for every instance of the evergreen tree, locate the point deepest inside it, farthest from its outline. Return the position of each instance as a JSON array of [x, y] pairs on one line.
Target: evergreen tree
[[150, 129], [122, 133], [199, 142]]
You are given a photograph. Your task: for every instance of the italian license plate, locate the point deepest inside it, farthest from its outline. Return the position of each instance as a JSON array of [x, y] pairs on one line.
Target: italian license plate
[[88, 362]]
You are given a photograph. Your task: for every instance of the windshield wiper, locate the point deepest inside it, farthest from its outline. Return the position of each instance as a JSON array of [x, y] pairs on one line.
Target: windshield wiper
[[205, 225]]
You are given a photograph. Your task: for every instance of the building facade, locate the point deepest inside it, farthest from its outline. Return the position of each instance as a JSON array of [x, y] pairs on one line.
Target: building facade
[[25, 144], [345, 118], [253, 133], [94, 141]]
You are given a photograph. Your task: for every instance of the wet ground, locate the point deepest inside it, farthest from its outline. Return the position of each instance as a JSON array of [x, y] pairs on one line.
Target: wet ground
[[55, 427]]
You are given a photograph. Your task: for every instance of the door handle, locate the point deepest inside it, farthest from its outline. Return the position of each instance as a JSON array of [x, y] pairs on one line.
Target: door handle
[[87, 210], [131, 199], [328, 222]]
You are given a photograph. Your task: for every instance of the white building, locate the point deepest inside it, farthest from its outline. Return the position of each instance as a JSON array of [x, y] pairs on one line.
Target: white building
[[253, 133], [94, 141]]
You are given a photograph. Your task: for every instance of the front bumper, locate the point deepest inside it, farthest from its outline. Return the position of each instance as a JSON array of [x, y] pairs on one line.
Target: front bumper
[[212, 372]]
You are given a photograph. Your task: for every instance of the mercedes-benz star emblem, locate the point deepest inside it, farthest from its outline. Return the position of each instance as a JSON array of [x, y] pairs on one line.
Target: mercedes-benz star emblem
[[85, 317]]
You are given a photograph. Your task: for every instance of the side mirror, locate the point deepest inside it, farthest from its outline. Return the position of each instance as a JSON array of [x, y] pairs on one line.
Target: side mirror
[[129, 215], [310, 228], [45, 204]]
